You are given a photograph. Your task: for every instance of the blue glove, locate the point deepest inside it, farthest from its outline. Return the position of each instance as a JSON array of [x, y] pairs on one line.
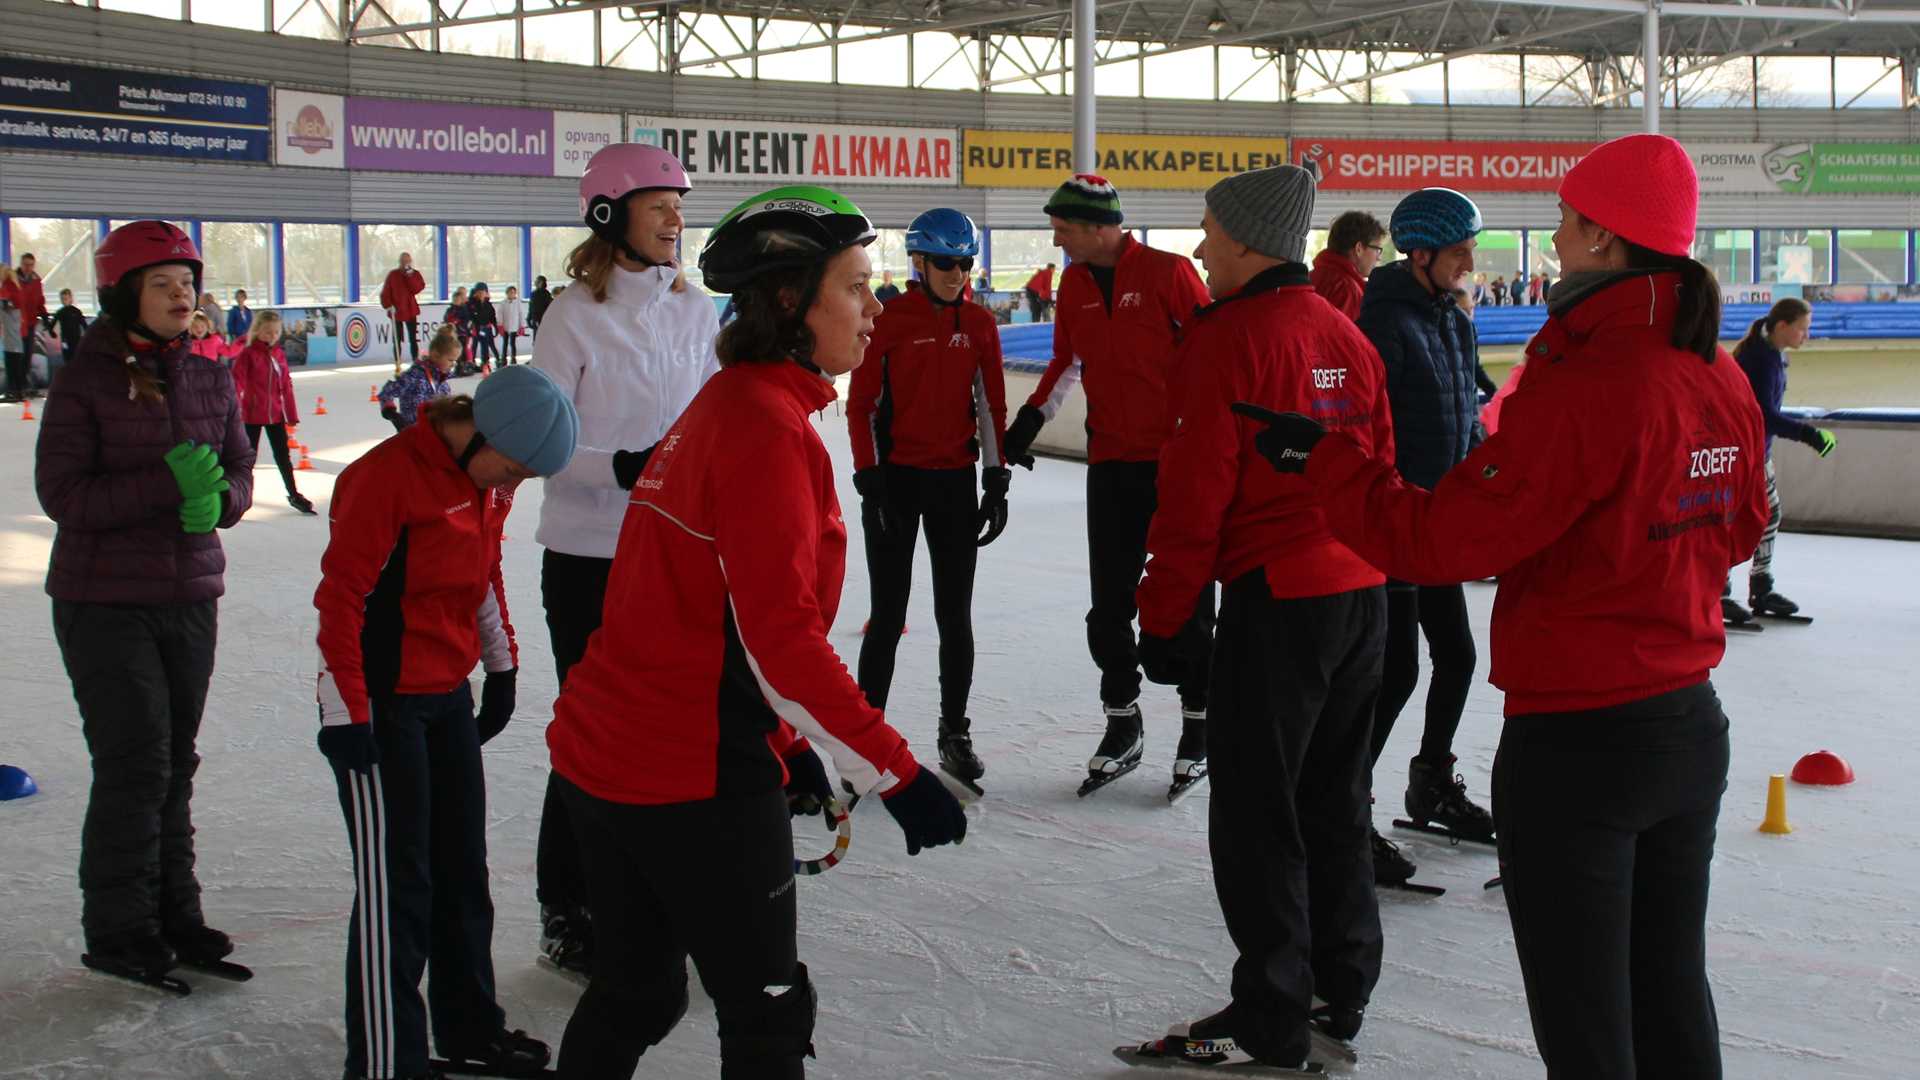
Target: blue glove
[[807, 787], [350, 747], [496, 703], [1288, 440], [927, 812]]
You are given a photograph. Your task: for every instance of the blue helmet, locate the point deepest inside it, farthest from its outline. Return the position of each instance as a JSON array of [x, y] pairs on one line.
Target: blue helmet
[[943, 232], [1434, 217]]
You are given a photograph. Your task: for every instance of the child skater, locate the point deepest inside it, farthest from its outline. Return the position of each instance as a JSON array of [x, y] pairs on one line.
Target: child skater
[[265, 383], [401, 398], [410, 599]]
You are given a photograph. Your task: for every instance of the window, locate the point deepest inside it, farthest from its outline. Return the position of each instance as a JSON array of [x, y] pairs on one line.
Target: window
[[489, 253], [1728, 253], [551, 247], [316, 264], [889, 252], [239, 255], [1795, 256], [240, 14], [62, 250], [1017, 253], [380, 248], [1873, 256], [1498, 252], [1184, 242], [560, 38]]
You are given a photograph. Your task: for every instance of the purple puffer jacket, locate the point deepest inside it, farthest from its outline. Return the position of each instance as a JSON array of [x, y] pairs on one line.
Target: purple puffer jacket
[[101, 476]]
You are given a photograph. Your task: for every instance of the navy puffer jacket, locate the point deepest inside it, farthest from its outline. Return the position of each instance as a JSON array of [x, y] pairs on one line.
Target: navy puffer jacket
[[1431, 352], [101, 476]]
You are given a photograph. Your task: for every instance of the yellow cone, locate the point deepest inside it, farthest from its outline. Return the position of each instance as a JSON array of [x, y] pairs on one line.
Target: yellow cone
[[1776, 807]]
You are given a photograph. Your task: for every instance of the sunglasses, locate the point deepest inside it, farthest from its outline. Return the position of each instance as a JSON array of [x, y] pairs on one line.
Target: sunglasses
[[949, 262]]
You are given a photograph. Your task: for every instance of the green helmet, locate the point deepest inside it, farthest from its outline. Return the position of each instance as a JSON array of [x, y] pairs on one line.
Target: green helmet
[[789, 226]]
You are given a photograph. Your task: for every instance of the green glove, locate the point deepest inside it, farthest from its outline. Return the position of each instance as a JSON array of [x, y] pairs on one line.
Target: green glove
[[1820, 439], [196, 468], [200, 513]]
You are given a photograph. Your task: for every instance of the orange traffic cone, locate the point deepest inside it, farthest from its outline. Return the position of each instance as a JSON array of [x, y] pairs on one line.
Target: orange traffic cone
[[26, 408], [373, 392], [321, 409], [304, 463]]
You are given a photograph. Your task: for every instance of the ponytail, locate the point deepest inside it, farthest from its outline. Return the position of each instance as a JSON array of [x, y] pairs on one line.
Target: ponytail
[[1784, 310], [1697, 327]]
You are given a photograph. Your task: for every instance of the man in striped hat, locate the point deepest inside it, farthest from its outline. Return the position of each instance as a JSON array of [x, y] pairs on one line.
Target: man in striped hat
[[1119, 307]]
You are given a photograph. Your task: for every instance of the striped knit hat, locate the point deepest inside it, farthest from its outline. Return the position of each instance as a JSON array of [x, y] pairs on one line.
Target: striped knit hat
[[1086, 197]]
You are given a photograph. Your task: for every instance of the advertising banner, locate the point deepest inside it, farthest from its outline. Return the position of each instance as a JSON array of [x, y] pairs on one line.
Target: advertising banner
[[799, 152], [1403, 165], [66, 107], [307, 129], [327, 131], [1043, 159]]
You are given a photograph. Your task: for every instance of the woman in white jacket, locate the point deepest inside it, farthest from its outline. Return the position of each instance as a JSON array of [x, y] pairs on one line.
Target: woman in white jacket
[[631, 346]]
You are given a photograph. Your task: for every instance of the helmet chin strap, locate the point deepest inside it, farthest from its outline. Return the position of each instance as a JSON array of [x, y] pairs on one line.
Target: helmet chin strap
[[473, 447]]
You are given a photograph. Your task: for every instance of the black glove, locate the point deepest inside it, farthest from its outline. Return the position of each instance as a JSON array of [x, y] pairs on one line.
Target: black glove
[[1820, 439], [1020, 436], [927, 812], [350, 746], [1162, 661], [993, 504], [877, 514], [1288, 440], [496, 703], [629, 464], [807, 786]]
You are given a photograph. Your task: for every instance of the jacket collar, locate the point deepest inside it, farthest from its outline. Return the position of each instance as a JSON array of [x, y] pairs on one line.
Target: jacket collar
[[812, 392], [1286, 275], [1340, 264], [1394, 284], [639, 288], [1629, 298]]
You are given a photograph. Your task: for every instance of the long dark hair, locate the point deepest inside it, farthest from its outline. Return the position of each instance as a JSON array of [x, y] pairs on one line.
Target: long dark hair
[[770, 323], [1784, 310], [1697, 328]]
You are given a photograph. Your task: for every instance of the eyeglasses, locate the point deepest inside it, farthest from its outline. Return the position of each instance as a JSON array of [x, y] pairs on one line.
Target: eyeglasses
[[1374, 247], [949, 262]]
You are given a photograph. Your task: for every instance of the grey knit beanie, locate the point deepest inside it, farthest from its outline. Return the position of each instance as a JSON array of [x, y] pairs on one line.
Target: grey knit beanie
[[1269, 210]]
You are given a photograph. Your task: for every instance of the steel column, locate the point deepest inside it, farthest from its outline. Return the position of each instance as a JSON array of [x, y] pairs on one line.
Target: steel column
[[1085, 154], [1650, 89]]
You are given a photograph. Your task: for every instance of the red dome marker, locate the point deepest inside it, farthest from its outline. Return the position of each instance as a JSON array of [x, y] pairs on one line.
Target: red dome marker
[[1823, 767]]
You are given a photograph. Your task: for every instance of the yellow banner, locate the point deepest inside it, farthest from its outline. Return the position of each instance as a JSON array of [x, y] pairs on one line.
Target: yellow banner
[[1043, 159]]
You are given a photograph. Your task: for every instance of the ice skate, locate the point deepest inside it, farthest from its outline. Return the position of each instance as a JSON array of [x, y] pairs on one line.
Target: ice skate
[[566, 941], [145, 962], [1392, 869], [1119, 751], [511, 1053], [204, 949], [1440, 806], [301, 503], [957, 758], [1768, 604], [1338, 1022], [1733, 615], [1208, 1044], [1190, 758]]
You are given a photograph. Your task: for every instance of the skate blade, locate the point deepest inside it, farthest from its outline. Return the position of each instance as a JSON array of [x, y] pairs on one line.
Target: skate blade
[[1411, 887], [467, 1068], [1442, 831], [572, 976], [1492, 884], [221, 969], [1148, 1056], [1094, 783], [165, 984], [1798, 620], [963, 788], [1183, 787], [1745, 627]]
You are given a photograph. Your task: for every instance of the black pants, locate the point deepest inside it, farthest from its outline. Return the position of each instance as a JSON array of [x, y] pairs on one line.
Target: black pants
[[140, 678], [1294, 683], [18, 371], [711, 879], [1440, 612], [510, 348], [410, 330], [283, 457], [946, 504], [1121, 499], [418, 827], [1606, 822], [574, 590]]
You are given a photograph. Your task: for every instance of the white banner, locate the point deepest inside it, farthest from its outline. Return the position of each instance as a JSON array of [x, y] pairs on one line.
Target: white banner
[[309, 130], [578, 136], [1751, 168], [776, 152]]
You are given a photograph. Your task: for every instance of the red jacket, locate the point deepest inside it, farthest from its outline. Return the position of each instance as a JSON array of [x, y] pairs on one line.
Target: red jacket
[[1339, 283], [1626, 478], [399, 292], [1223, 510], [265, 383], [1123, 353], [725, 583], [931, 393], [1041, 283], [410, 593]]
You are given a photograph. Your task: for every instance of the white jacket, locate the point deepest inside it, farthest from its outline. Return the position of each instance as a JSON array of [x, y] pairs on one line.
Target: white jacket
[[513, 315], [631, 366]]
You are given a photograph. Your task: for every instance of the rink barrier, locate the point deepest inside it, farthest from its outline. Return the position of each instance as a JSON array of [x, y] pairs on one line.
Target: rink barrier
[[1868, 486]]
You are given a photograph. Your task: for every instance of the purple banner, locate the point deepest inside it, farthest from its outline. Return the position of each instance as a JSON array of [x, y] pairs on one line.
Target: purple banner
[[425, 136]]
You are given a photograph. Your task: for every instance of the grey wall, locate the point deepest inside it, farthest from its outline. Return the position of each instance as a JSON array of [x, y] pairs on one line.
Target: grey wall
[[52, 185]]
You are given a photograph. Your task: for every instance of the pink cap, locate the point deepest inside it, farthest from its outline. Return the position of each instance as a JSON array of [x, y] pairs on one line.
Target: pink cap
[[1641, 188]]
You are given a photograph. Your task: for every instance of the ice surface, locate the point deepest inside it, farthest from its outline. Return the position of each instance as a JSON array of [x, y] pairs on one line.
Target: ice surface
[[1061, 928]]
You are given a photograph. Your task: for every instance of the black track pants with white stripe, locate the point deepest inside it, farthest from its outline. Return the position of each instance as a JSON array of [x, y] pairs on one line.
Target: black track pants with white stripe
[[418, 828]]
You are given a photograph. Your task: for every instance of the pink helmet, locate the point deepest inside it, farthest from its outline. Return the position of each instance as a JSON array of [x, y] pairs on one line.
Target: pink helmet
[[618, 171]]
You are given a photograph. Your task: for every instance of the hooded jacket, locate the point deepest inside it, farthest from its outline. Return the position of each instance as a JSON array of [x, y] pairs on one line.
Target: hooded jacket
[[1625, 480], [265, 383], [101, 475], [931, 393], [1430, 352]]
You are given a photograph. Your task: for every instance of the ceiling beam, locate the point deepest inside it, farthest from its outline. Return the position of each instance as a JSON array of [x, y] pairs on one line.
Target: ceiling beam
[[1475, 50]]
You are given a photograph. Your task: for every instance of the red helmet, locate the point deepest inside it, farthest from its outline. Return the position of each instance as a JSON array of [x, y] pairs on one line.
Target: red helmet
[[140, 244]]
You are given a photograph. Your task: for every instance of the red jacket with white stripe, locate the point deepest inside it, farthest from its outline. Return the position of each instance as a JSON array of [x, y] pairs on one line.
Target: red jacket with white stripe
[[410, 595], [1122, 352], [931, 392], [1223, 510], [725, 583], [265, 383], [1626, 478]]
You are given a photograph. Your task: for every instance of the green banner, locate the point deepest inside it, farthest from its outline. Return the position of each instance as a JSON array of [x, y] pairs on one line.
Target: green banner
[[1872, 168]]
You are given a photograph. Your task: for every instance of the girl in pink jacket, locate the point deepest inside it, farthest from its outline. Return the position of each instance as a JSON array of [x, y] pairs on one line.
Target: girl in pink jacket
[[265, 384]]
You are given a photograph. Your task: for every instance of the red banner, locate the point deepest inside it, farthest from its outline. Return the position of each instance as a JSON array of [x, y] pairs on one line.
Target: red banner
[[1403, 165]]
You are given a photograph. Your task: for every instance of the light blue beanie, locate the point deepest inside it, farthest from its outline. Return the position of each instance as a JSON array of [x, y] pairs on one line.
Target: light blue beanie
[[523, 414]]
